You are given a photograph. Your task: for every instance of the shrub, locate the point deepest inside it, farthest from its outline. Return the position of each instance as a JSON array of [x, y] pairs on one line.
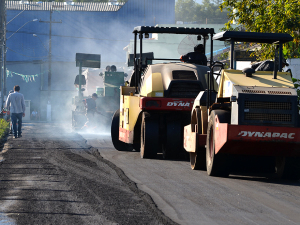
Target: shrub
[[4, 127]]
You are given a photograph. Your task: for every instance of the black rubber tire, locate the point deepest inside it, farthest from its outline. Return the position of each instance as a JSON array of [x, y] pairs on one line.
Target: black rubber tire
[[173, 144], [119, 145], [287, 168], [149, 136], [216, 164], [197, 159], [292, 168], [137, 147], [279, 167]]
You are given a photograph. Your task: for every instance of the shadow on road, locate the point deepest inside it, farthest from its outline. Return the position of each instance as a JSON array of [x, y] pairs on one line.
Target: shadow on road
[[261, 177]]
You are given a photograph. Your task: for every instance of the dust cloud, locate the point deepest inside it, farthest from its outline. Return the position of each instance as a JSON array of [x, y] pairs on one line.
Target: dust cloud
[[75, 35], [64, 93]]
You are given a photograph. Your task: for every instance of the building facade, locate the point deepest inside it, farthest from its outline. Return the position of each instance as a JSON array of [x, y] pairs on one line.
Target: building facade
[[39, 33]]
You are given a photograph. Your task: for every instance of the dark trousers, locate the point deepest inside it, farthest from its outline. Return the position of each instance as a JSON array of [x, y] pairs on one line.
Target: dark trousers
[[17, 118]]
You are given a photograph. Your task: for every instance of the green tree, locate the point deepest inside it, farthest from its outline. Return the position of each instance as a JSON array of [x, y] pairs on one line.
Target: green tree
[[273, 16], [207, 12], [185, 10]]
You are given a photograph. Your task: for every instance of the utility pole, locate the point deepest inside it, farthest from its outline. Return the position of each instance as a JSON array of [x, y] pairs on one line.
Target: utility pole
[[2, 48], [49, 64], [4, 92], [4, 61]]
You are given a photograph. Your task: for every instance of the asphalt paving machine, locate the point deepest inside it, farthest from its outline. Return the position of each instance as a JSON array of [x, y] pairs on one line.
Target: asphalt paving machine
[[157, 103], [108, 93], [109, 96], [254, 115]]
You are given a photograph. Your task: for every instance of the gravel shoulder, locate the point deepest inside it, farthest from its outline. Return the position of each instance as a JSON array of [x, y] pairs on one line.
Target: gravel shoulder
[[51, 176]]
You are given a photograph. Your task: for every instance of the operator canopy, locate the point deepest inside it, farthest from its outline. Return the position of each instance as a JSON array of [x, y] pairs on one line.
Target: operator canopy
[[255, 37]]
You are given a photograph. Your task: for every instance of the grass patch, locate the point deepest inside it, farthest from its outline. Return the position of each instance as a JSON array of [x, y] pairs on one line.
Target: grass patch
[[4, 127]]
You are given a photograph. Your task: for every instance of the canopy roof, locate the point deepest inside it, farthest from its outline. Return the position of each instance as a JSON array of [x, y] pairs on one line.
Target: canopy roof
[[173, 30], [252, 37]]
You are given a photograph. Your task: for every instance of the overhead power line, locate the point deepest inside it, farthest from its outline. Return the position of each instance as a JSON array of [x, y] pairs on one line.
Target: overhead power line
[[25, 32]]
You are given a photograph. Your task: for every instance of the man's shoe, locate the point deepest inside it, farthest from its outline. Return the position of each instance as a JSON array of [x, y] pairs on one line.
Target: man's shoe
[[15, 137], [19, 135]]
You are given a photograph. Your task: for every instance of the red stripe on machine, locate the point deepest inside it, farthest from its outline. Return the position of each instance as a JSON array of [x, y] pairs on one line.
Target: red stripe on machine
[[125, 135], [168, 104]]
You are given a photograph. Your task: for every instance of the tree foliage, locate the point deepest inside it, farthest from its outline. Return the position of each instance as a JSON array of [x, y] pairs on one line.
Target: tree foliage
[[270, 16], [207, 12], [185, 10]]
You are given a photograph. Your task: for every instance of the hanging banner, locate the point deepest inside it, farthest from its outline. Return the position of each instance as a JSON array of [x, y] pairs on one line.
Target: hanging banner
[[26, 78]]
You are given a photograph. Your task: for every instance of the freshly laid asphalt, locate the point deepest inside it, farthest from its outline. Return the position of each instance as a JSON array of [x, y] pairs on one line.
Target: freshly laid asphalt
[[51, 176]]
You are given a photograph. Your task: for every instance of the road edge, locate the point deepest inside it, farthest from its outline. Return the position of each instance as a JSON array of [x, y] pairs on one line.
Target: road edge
[[160, 216]]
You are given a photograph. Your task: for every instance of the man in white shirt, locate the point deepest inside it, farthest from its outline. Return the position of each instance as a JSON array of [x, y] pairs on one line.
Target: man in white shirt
[[15, 101]]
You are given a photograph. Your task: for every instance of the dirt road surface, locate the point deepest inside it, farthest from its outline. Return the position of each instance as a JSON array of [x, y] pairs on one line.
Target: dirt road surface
[[51, 176]]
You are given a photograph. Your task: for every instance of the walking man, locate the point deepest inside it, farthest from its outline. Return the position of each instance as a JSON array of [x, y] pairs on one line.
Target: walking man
[[15, 101]]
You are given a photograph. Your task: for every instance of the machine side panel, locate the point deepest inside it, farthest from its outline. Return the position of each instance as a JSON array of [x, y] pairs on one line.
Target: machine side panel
[[257, 140], [129, 112]]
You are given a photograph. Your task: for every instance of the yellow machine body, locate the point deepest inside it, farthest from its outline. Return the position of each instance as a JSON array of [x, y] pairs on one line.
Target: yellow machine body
[[155, 81], [265, 79]]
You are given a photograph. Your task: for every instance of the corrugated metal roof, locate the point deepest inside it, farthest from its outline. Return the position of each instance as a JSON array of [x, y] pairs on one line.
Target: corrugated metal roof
[[64, 6]]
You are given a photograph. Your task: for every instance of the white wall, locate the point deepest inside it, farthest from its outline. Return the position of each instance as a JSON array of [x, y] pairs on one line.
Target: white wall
[[242, 65]]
